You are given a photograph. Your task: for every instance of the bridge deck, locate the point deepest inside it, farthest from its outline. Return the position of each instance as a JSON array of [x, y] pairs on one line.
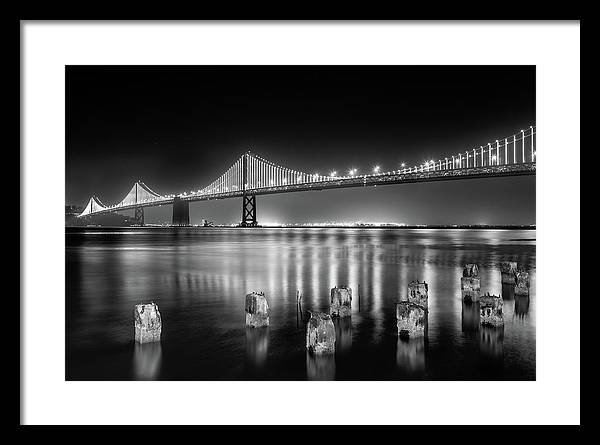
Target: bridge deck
[[358, 181]]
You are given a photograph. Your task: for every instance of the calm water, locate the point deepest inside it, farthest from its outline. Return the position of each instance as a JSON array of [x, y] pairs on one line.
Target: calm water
[[199, 278]]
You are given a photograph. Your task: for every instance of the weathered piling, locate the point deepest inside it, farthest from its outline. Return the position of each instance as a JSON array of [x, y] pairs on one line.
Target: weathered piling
[[148, 323], [411, 319], [470, 283], [418, 293], [320, 334], [522, 284], [490, 310], [471, 270], [340, 302], [508, 270], [257, 310], [298, 307]]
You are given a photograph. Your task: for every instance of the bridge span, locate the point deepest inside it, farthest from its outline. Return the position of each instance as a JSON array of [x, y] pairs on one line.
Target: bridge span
[[252, 175]]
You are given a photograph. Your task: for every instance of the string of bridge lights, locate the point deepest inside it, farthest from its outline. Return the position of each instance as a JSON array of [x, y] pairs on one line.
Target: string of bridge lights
[[261, 173]]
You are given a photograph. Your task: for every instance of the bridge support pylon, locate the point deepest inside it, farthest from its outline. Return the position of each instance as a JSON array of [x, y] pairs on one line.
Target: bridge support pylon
[[139, 216], [249, 211], [181, 212]]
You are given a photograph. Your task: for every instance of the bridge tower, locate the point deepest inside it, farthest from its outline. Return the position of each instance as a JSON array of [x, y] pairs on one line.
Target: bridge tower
[[181, 212], [248, 199], [138, 211], [139, 216]]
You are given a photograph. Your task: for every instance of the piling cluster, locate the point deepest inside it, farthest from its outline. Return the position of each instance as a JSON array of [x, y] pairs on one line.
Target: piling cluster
[[411, 312], [514, 280]]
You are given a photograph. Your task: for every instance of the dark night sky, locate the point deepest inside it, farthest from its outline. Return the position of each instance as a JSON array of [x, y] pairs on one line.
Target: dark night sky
[[178, 128]]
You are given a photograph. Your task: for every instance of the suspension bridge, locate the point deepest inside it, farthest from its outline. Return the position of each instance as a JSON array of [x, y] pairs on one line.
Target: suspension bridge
[[251, 175]]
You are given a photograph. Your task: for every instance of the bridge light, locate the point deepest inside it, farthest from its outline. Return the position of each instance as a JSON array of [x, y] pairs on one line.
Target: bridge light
[[376, 169], [333, 173], [402, 165]]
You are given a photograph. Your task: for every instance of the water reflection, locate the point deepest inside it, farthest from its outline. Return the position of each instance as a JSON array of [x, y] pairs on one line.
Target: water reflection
[[198, 277], [343, 334], [410, 355], [320, 366], [521, 305], [470, 316], [491, 344], [147, 358], [257, 347], [508, 291]]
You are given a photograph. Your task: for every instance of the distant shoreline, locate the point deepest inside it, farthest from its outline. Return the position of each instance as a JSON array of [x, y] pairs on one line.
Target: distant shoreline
[[394, 227]]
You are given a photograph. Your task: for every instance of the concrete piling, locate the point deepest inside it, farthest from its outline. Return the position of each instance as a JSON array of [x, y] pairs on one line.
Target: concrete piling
[[470, 283], [508, 269], [418, 293], [340, 302], [147, 322], [522, 284], [490, 310], [320, 334], [471, 270], [411, 319], [257, 310]]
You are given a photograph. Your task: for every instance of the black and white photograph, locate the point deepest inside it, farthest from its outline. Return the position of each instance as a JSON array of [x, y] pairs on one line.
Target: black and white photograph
[[262, 211], [300, 222]]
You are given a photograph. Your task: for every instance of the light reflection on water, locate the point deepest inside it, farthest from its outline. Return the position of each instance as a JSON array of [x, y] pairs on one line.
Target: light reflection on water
[[199, 278]]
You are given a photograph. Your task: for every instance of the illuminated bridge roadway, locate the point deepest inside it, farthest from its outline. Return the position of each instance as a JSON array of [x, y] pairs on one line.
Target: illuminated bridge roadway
[[252, 175]]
